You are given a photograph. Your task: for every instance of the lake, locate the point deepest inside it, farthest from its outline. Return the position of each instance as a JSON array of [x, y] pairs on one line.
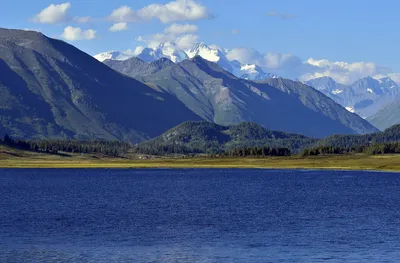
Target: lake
[[210, 215]]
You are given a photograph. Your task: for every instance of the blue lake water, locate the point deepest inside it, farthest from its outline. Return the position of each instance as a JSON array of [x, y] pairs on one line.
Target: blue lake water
[[198, 216]]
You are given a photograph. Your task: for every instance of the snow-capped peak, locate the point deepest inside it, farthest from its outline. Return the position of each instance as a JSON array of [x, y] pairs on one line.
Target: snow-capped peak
[[164, 50], [251, 72], [204, 51], [251, 68], [114, 55], [172, 52]]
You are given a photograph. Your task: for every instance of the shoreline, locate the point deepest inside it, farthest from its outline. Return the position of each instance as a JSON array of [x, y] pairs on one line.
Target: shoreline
[[383, 163], [339, 169]]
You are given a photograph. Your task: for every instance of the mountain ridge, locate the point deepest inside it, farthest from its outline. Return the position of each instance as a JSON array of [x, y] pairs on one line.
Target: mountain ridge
[[168, 50], [364, 97], [49, 88], [218, 96]]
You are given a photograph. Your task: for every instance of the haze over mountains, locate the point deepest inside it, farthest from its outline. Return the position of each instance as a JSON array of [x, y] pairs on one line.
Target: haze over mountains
[[50, 89], [364, 97], [387, 116]]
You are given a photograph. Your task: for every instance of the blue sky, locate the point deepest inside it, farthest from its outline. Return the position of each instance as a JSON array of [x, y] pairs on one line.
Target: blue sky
[[341, 30]]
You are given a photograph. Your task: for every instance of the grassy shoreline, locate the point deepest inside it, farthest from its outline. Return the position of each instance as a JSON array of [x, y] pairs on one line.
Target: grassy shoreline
[[19, 159]]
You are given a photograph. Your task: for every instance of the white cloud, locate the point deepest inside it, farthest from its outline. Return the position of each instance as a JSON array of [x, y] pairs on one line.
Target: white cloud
[[214, 46], [290, 66], [178, 10], [75, 33], [177, 35], [244, 55], [137, 50], [53, 14], [180, 29], [345, 72], [269, 60], [83, 19], [122, 14], [186, 41], [182, 42], [119, 27]]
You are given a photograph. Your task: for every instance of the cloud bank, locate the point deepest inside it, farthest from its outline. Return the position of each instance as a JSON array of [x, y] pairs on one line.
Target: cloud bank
[[291, 66], [179, 10], [118, 27], [53, 14], [75, 33]]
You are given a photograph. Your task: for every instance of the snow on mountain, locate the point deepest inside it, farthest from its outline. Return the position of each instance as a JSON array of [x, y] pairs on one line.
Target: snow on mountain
[[252, 72], [212, 54], [364, 97], [244, 71], [388, 83], [337, 91], [114, 55], [165, 50]]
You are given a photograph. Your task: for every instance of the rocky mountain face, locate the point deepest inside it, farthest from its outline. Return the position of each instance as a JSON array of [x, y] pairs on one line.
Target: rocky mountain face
[[278, 104], [364, 97], [50, 89]]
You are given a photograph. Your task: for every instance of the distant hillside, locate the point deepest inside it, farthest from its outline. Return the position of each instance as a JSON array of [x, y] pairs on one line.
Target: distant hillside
[[364, 97], [207, 137], [388, 116], [50, 89], [277, 104], [391, 134]]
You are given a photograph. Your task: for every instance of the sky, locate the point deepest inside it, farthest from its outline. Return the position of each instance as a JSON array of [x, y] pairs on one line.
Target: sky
[[304, 39]]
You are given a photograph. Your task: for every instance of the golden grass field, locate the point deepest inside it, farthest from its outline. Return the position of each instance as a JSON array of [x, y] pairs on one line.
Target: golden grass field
[[10, 158]]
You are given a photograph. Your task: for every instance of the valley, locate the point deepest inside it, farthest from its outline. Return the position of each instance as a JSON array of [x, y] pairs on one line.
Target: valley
[[11, 158]]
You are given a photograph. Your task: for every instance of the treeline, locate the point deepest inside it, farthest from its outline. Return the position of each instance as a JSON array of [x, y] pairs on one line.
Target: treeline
[[390, 135], [211, 149], [258, 152], [379, 148], [155, 149], [110, 148]]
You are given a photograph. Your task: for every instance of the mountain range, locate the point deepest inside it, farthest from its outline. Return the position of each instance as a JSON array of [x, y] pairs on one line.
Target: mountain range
[[170, 51], [364, 97], [217, 96], [50, 89]]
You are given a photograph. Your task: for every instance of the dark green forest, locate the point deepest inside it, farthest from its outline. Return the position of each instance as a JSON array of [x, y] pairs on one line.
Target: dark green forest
[[242, 140], [381, 148], [109, 148]]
